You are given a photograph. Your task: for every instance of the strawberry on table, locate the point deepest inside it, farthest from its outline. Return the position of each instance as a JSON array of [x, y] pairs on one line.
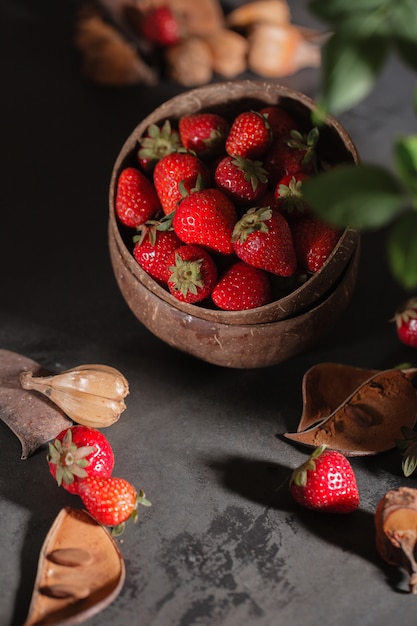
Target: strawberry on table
[[406, 322], [153, 246], [111, 501], [242, 287], [206, 217], [177, 173], [193, 273], [136, 198], [160, 26], [314, 241], [203, 133], [243, 180], [157, 142], [78, 452], [249, 136], [262, 238], [325, 482]]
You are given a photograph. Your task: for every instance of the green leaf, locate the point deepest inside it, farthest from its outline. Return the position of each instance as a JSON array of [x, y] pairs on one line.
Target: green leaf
[[350, 68], [403, 23], [405, 153], [363, 197], [402, 250], [338, 10]]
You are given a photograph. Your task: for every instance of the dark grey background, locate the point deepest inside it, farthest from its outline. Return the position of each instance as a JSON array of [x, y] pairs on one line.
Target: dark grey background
[[221, 545]]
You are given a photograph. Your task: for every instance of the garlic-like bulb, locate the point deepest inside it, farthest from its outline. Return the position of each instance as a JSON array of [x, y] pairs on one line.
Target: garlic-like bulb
[[91, 395]]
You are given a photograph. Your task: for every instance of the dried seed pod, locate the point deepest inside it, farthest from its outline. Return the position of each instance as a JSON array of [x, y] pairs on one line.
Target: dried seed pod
[[80, 571], [396, 530], [92, 395], [357, 412]]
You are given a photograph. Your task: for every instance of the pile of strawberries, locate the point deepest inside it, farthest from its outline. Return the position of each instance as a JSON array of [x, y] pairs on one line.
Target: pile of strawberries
[[81, 460], [217, 207]]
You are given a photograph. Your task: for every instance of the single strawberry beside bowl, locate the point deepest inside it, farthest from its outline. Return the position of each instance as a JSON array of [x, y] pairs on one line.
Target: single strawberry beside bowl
[[325, 482], [77, 453], [406, 322]]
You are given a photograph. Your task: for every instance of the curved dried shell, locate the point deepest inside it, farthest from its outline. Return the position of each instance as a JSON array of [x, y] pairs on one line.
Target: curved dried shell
[[92, 395], [354, 410], [80, 571]]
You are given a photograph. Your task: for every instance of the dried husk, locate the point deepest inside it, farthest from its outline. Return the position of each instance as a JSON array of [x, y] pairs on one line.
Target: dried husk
[[396, 530], [356, 411], [92, 394], [80, 571], [33, 420]]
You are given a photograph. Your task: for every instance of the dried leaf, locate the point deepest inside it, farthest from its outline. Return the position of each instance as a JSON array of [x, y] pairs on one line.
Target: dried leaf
[[356, 411], [32, 418]]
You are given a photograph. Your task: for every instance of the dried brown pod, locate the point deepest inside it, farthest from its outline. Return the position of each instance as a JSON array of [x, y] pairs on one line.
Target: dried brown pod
[[29, 417], [229, 52], [190, 62], [80, 571], [396, 530], [356, 411], [92, 394], [107, 57]]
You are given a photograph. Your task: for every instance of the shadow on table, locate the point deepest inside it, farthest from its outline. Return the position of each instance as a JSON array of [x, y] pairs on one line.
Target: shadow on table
[[267, 484]]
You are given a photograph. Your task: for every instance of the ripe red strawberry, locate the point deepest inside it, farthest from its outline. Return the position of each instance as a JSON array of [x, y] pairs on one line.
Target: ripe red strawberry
[[153, 246], [288, 195], [203, 133], [280, 121], [193, 274], [206, 218], [326, 483], [243, 180], [79, 452], [262, 238], [160, 26], [136, 198], [249, 136], [111, 501], [289, 155], [242, 287], [157, 142], [174, 172], [406, 322], [314, 241]]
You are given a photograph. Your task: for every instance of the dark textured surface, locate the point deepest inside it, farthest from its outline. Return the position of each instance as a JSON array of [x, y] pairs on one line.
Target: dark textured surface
[[222, 545]]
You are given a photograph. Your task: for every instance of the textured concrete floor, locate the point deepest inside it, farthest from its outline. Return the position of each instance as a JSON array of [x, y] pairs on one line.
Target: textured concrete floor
[[220, 546]]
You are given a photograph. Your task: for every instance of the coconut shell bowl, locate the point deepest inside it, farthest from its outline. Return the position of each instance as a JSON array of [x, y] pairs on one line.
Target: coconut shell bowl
[[266, 335]]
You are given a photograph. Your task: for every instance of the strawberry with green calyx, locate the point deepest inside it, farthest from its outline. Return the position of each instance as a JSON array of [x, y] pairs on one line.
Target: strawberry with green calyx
[[192, 274], [291, 154], [154, 244], [175, 173], [206, 217], [288, 195], [408, 447], [325, 482], [249, 136], [406, 322], [157, 143], [243, 180], [280, 121], [77, 453], [136, 199], [111, 501], [262, 238], [203, 133], [242, 287], [314, 241]]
